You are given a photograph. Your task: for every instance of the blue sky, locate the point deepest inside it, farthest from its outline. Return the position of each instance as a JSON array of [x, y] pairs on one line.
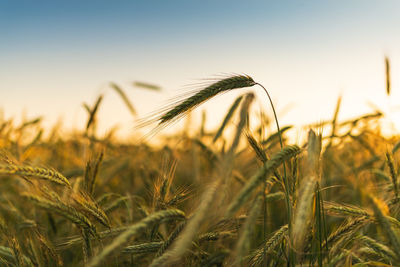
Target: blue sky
[[54, 55]]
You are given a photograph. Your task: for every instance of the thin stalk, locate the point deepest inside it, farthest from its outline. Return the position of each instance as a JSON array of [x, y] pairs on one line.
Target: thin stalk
[[285, 180], [264, 221]]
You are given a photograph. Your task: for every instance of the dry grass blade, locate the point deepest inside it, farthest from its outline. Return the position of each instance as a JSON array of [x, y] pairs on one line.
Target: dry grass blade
[[263, 173], [27, 171], [228, 116], [124, 237], [124, 98]]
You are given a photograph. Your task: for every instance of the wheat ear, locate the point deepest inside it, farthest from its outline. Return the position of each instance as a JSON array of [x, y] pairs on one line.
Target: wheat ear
[[230, 83], [268, 168], [123, 238], [42, 173]]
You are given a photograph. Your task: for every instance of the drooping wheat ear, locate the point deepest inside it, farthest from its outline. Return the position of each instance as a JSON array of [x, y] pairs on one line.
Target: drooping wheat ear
[[42, 173], [123, 238], [268, 168], [230, 83]]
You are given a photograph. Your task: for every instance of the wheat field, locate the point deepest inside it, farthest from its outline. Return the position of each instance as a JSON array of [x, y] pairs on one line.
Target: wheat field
[[247, 198]]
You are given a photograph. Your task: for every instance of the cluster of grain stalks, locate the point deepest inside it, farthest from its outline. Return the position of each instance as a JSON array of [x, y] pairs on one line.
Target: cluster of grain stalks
[[251, 199]]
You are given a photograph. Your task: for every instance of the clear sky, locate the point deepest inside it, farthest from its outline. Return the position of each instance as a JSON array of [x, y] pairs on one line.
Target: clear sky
[[55, 55]]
